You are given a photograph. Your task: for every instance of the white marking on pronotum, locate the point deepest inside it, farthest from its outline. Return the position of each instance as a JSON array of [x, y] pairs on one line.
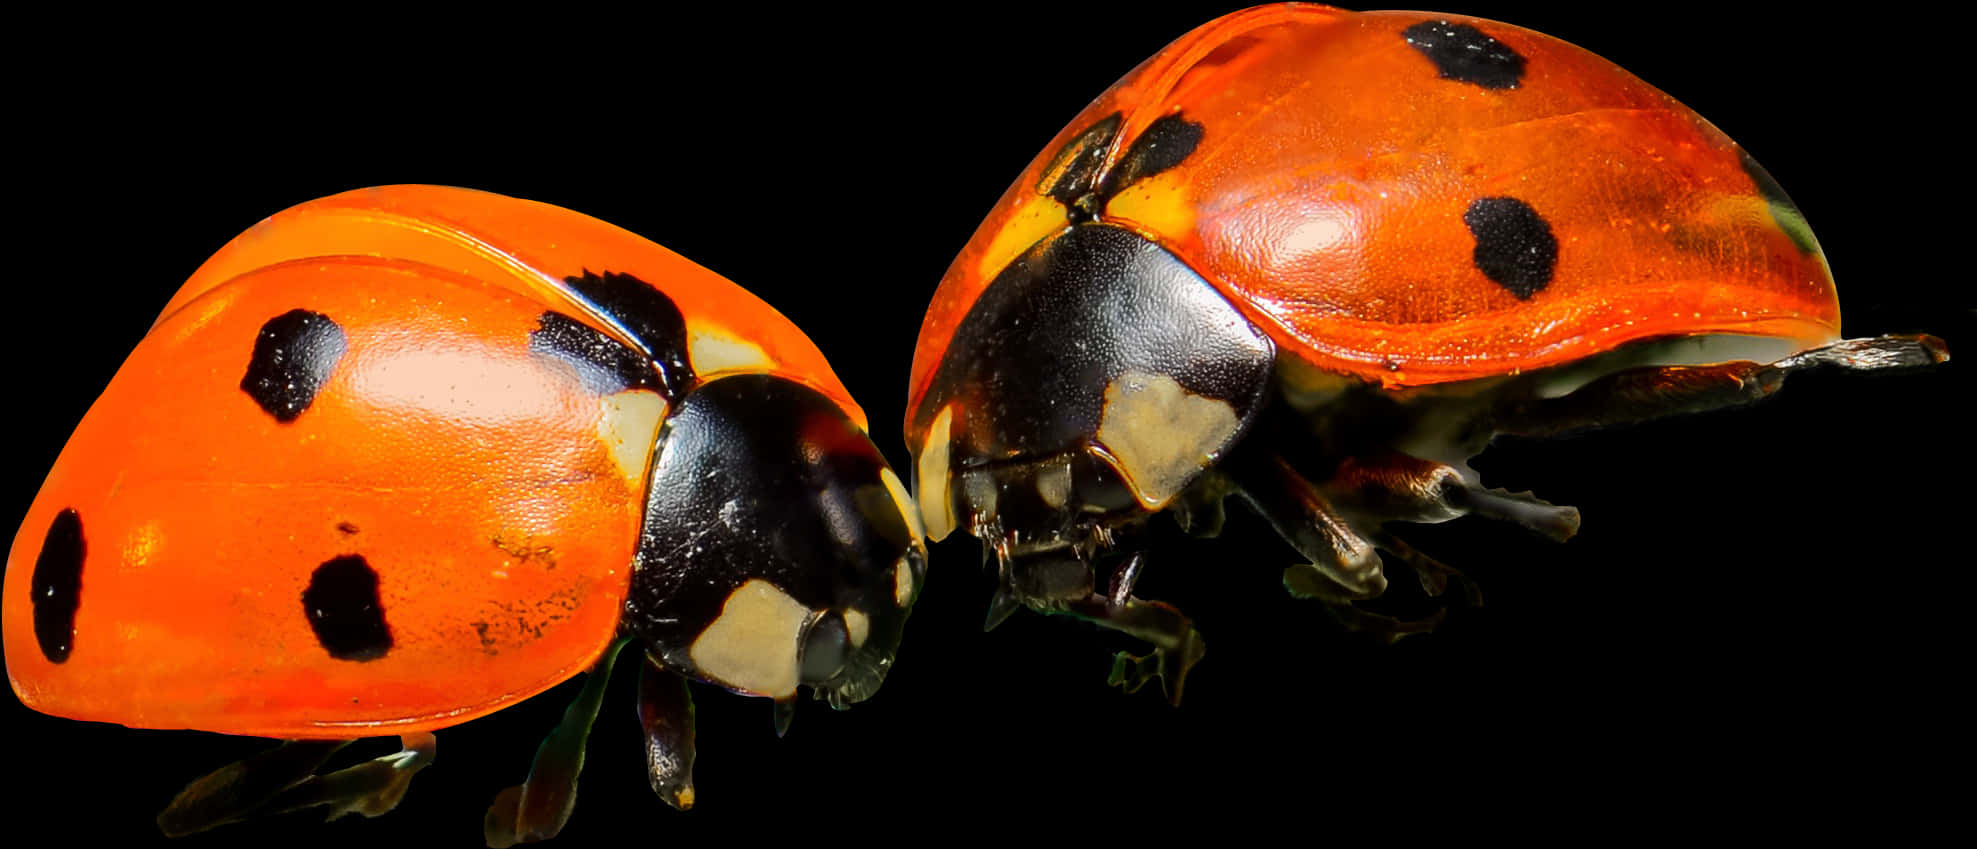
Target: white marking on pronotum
[[752, 645], [936, 505], [1161, 435], [628, 423]]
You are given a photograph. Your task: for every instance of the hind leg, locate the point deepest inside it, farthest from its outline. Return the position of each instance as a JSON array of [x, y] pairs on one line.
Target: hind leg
[[1640, 394], [284, 779], [1337, 524]]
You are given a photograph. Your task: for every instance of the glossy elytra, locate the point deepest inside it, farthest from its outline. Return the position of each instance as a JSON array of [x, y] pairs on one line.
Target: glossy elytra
[[1315, 260], [401, 457]]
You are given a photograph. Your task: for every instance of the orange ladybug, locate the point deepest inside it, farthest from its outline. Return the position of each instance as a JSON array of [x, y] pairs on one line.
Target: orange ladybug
[[1316, 260], [404, 456]]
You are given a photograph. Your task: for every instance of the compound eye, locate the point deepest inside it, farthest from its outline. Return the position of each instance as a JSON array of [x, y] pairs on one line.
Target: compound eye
[[825, 649]]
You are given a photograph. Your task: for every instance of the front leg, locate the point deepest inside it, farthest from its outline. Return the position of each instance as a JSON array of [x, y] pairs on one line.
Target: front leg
[[1059, 580], [1177, 645]]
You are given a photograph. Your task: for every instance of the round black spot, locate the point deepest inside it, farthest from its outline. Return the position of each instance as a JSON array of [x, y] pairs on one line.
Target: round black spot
[[1165, 143], [1466, 54], [343, 609], [57, 586], [293, 357], [1514, 245]]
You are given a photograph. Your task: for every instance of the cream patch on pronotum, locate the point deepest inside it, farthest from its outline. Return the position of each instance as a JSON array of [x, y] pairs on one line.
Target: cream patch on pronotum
[[753, 644], [1160, 434]]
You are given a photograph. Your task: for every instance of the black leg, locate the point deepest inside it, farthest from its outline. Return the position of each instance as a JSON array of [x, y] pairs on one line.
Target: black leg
[[1343, 565], [1435, 576], [1059, 580], [284, 779], [1177, 646], [1389, 486], [369, 788], [1647, 393], [537, 808], [665, 711], [236, 790]]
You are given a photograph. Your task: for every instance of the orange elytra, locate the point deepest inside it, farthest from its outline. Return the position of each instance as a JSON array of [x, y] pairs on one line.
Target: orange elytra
[[400, 457], [1315, 260]]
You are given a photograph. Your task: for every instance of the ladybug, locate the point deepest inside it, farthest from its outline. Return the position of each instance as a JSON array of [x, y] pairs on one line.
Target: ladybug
[[1317, 260], [401, 457]]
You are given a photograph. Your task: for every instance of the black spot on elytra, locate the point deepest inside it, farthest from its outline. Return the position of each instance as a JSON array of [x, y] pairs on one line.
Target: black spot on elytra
[[346, 527], [1073, 176], [1073, 172], [343, 609], [1167, 142], [56, 589], [650, 316], [1785, 213], [603, 364], [293, 357], [1466, 54], [1514, 244]]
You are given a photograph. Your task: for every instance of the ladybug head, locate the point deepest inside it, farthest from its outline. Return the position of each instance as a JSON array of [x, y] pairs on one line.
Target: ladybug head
[[1090, 384], [778, 549]]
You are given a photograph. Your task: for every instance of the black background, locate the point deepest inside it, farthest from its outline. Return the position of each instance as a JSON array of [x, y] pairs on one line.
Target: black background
[[1760, 627]]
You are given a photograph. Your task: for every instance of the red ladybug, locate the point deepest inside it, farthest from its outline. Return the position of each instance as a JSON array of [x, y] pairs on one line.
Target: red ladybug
[[398, 458], [1316, 260]]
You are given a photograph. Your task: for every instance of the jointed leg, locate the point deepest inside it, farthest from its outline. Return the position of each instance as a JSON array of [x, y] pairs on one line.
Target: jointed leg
[[1177, 646], [284, 779], [1391, 486], [665, 711], [1652, 392], [1343, 565], [1060, 581], [537, 808]]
